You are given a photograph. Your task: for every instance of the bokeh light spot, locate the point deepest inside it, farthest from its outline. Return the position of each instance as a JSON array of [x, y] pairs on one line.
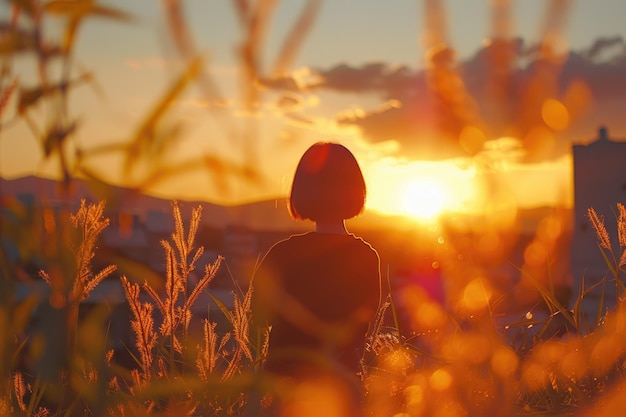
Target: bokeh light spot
[[549, 229], [472, 139], [536, 254], [574, 365], [324, 396], [551, 352], [430, 316], [440, 380], [476, 295], [534, 376], [555, 115], [605, 354], [504, 362], [414, 395]]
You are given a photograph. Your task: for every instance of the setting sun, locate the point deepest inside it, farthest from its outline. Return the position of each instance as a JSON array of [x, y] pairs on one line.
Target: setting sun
[[422, 191], [424, 199]]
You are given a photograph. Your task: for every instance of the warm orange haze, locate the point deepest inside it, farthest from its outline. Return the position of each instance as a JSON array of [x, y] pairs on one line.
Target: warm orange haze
[[151, 263], [409, 109]]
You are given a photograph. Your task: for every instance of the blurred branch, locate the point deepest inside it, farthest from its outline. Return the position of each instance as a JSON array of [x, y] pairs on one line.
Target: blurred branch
[[145, 134], [184, 41], [255, 23], [77, 10], [294, 40]]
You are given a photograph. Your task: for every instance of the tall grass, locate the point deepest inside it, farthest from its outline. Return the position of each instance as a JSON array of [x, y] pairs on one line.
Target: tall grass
[[449, 364], [65, 366], [191, 372]]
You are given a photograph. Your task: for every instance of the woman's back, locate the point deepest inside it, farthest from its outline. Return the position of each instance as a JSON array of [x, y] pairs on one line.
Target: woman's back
[[319, 291]]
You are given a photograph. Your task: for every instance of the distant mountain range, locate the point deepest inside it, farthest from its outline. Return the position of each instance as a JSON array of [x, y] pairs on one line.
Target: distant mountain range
[[261, 215]]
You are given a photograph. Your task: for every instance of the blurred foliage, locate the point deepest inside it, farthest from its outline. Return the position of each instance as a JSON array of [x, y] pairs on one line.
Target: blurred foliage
[[458, 361], [58, 358]]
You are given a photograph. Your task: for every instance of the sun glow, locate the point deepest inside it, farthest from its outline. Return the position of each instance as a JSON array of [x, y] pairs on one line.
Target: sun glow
[[422, 191], [424, 199]]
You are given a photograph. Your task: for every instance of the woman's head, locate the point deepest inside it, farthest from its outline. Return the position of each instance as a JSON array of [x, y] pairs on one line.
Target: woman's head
[[328, 184]]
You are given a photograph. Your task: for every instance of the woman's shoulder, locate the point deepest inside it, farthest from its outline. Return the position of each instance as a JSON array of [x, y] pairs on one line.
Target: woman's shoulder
[[292, 240], [287, 244], [314, 239], [364, 243]]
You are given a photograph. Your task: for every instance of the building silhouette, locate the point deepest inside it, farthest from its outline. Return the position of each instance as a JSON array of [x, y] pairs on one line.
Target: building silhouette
[[600, 183]]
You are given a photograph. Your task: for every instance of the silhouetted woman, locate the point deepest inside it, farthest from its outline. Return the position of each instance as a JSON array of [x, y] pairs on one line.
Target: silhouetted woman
[[320, 290]]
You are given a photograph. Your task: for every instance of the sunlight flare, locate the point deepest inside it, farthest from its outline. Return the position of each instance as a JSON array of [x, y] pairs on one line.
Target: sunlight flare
[[424, 199], [419, 190]]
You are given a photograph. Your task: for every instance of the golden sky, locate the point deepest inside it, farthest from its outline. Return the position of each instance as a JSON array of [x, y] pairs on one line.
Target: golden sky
[[460, 103]]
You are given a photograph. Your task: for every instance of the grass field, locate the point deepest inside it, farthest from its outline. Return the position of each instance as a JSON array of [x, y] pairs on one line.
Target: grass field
[[57, 361]]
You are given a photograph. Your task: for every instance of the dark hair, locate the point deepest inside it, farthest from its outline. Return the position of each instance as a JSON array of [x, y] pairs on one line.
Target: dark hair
[[328, 184]]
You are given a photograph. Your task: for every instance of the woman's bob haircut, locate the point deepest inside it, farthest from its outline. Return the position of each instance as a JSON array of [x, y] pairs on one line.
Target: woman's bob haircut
[[328, 184]]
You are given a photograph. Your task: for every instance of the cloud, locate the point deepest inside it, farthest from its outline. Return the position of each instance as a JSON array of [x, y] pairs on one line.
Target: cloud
[[293, 107], [500, 91], [415, 112], [299, 119], [288, 102], [376, 76], [602, 44], [288, 83], [412, 125], [603, 73]]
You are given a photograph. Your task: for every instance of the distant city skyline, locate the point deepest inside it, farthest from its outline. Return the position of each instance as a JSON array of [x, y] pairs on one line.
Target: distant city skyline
[[409, 253]]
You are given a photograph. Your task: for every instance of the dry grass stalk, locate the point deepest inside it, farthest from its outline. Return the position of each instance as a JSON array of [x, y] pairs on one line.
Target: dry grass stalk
[[180, 262], [621, 232], [598, 224], [20, 390], [90, 222], [174, 285], [240, 319], [175, 306], [142, 325], [5, 408], [209, 273], [207, 352]]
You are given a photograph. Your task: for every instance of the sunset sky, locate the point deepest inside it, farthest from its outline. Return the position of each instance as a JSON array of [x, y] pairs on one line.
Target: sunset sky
[[409, 86]]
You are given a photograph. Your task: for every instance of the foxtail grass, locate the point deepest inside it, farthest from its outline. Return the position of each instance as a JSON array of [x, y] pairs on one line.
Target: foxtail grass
[[450, 360]]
